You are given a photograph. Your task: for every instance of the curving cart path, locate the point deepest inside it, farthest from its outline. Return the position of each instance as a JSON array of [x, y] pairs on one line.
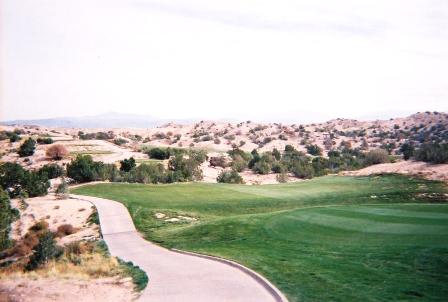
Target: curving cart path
[[178, 276]]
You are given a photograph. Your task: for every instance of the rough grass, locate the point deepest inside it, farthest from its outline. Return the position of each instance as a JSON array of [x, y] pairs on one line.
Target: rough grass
[[328, 239], [139, 277], [90, 152]]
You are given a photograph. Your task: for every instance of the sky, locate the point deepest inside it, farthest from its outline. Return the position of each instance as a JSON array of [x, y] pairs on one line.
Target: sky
[[239, 59]]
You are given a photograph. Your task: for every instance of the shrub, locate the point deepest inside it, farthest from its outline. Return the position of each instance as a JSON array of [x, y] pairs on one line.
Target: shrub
[[277, 155], [239, 163], [62, 189], [139, 277], [314, 150], [278, 167], [127, 165], [376, 156], [17, 180], [163, 153], [302, 169], [320, 165], [65, 230], [51, 171], [262, 167], [433, 152], [27, 148], [45, 251], [282, 178], [81, 169], [84, 169], [11, 177], [6, 218], [56, 152], [44, 140], [35, 184], [39, 227], [219, 161], [407, 149], [14, 137], [120, 141], [231, 177], [187, 169]]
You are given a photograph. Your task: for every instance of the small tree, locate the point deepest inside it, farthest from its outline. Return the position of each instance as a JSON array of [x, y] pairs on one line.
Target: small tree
[[81, 169], [45, 251], [407, 149], [127, 165], [27, 148], [56, 152]]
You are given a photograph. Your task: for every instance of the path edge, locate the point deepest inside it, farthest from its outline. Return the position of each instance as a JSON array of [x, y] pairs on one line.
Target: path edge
[[273, 290]]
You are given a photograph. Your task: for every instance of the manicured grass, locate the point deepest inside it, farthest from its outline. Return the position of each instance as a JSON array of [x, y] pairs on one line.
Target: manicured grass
[[333, 238]]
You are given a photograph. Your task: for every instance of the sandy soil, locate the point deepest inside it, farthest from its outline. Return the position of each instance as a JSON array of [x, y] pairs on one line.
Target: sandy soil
[[56, 212], [67, 290], [428, 171]]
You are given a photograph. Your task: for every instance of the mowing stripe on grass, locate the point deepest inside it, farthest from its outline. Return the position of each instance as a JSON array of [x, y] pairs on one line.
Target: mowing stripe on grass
[[366, 225]]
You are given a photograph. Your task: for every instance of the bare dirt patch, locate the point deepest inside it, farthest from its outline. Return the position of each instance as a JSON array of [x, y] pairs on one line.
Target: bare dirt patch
[[68, 290]]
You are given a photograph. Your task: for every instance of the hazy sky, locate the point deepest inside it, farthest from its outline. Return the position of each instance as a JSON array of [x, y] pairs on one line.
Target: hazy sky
[[222, 59]]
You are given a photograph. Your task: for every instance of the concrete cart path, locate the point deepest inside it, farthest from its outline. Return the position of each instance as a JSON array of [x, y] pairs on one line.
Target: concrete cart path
[[175, 276]]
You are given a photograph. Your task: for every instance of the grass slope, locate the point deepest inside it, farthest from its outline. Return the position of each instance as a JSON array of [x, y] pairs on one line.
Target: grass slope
[[328, 239]]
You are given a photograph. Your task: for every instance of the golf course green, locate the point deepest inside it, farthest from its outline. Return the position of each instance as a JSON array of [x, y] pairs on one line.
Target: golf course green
[[333, 238]]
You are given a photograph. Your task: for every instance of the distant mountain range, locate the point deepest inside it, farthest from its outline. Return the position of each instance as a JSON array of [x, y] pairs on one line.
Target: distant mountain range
[[106, 120]]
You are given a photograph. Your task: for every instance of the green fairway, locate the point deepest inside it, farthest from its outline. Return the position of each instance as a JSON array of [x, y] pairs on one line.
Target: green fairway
[[332, 238]]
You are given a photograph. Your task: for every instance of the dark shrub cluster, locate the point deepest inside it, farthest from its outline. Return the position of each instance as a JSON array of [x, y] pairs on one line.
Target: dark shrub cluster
[[84, 169], [163, 153], [231, 177], [436, 153], [44, 140], [16, 180], [27, 148]]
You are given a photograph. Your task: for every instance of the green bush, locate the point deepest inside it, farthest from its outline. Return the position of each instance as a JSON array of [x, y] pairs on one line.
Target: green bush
[[14, 137], [314, 150], [127, 165], [239, 163], [158, 153], [27, 148], [407, 149], [231, 177], [433, 152], [187, 168], [35, 184], [84, 169], [262, 167], [51, 171], [44, 140], [17, 180], [139, 277], [301, 168], [44, 251], [6, 218]]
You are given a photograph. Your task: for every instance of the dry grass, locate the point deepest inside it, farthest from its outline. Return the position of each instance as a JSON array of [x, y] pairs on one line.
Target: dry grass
[[80, 261]]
